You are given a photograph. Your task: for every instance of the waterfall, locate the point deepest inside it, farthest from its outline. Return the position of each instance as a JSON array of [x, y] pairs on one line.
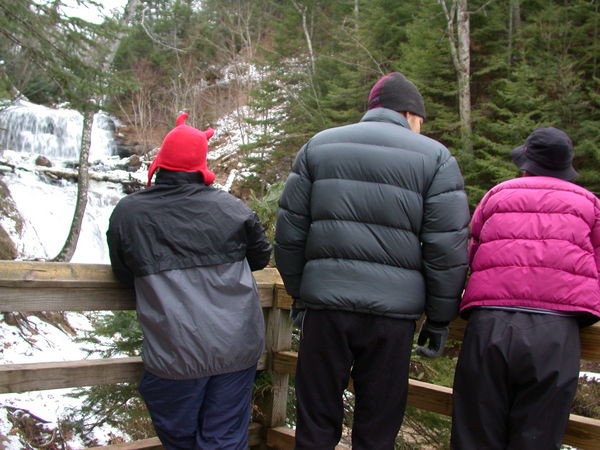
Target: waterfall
[[53, 133], [46, 209], [46, 205]]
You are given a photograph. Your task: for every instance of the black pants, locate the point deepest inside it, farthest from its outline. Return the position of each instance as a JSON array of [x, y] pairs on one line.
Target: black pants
[[375, 351], [515, 381]]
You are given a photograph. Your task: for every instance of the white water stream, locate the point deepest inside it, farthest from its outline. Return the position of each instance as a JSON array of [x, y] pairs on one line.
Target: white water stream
[[46, 206]]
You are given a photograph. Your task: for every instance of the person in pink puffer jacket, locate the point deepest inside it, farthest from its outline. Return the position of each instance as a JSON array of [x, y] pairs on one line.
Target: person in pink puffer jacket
[[535, 259]]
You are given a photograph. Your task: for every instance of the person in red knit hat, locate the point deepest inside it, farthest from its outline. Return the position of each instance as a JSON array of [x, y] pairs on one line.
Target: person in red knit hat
[[189, 250], [184, 149]]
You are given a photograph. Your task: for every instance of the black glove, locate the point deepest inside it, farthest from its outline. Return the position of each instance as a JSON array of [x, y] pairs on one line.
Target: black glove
[[297, 316], [297, 313], [436, 334]]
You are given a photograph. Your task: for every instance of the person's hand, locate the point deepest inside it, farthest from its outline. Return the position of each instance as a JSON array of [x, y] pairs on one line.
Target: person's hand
[[432, 339], [297, 313], [297, 316]]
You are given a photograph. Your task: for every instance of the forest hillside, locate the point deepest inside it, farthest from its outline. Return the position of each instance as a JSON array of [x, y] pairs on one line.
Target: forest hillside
[[490, 71]]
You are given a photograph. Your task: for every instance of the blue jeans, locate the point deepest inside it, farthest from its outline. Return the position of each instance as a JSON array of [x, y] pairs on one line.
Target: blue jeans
[[202, 413]]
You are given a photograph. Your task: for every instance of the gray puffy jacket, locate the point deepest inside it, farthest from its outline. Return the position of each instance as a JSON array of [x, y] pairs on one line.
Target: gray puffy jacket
[[374, 219]]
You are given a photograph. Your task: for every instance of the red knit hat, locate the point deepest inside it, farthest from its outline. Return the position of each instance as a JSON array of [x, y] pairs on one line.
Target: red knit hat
[[184, 149]]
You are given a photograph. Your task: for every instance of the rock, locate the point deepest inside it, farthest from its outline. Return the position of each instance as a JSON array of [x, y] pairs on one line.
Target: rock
[[43, 161], [133, 164]]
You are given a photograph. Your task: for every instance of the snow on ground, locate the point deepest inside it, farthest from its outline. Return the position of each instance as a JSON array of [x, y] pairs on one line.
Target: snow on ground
[[47, 344], [590, 376], [47, 209]]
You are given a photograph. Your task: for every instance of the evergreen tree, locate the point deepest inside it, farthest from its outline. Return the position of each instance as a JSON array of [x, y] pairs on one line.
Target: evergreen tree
[[65, 51], [114, 334], [549, 81], [426, 60]]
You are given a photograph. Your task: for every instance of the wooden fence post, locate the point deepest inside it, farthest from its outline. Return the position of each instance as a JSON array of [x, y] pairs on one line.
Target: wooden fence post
[[273, 404]]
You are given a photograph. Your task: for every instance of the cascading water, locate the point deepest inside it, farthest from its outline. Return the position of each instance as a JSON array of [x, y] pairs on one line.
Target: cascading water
[[54, 133], [45, 204]]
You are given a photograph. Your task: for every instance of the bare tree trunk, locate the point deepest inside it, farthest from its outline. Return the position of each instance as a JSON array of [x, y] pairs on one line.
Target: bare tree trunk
[[595, 64], [68, 249], [311, 55], [458, 28], [124, 20], [83, 177], [514, 23], [303, 11]]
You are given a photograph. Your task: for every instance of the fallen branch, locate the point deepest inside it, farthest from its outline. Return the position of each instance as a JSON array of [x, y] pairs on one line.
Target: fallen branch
[[71, 175]]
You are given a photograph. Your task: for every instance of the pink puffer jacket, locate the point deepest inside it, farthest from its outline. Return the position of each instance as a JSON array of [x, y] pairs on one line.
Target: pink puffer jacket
[[535, 242]]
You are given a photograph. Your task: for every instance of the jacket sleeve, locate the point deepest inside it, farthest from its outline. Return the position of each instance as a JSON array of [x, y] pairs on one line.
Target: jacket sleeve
[[258, 250], [476, 225], [119, 268], [444, 238], [595, 235], [293, 223]]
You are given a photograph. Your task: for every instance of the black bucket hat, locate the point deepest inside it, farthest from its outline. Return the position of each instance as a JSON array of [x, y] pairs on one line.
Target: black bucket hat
[[547, 152]]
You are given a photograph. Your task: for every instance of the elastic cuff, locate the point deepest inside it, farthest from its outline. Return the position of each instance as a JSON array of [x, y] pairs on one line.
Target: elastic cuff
[[437, 324]]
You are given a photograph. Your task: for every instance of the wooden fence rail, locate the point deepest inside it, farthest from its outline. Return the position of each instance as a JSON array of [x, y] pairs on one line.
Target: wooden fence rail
[[41, 286], [582, 432]]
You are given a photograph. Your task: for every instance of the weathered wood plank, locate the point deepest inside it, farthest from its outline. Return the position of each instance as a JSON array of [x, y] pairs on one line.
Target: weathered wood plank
[[582, 432], [590, 342], [56, 375], [281, 438], [66, 374], [31, 299], [255, 434], [284, 438], [273, 403], [285, 362], [49, 286], [430, 397], [154, 443], [282, 298], [21, 299], [145, 444], [56, 274], [62, 274]]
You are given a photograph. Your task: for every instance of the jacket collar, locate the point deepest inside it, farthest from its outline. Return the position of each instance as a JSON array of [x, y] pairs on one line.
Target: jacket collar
[[385, 115], [175, 177]]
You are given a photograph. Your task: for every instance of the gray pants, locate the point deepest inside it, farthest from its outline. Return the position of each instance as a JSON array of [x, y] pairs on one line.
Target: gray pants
[[515, 381]]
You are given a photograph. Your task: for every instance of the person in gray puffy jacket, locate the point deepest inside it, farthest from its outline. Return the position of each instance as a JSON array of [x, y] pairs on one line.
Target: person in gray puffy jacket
[[189, 250], [371, 233]]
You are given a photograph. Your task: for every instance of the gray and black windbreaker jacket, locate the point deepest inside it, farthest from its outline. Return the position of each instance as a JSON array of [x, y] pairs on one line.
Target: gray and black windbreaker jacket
[[189, 249], [374, 219]]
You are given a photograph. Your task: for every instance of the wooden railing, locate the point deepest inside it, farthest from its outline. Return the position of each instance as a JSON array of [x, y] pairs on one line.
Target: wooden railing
[[41, 286]]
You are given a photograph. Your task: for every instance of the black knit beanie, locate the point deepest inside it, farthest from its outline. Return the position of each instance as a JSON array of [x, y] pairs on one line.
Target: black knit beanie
[[395, 91]]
